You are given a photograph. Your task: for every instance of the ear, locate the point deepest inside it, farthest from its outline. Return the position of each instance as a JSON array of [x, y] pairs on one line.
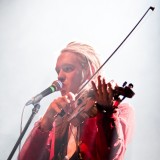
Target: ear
[[88, 71], [92, 69]]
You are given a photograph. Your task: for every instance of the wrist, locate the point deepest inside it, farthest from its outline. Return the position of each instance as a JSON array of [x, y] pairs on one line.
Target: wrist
[[47, 121], [105, 109], [45, 125]]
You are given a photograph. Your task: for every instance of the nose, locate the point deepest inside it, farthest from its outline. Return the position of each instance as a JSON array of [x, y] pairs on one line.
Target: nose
[[61, 76]]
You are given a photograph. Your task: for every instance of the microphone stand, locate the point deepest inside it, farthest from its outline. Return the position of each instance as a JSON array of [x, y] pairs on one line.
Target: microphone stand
[[34, 111]]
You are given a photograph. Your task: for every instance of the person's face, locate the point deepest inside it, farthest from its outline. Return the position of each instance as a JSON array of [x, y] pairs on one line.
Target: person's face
[[69, 72]]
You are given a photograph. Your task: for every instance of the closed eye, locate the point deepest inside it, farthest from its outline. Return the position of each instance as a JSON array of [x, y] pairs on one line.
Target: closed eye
[[65, 68], [68, 68]]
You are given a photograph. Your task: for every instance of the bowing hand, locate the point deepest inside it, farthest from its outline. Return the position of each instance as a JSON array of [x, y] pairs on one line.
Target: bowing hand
[[61, 103]]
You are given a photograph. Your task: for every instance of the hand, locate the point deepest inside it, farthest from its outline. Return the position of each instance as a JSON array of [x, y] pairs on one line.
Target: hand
[[61, 103], [103, 93], [55, 107]]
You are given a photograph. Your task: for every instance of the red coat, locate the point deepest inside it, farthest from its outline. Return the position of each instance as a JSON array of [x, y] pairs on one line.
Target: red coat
[[103, 137]]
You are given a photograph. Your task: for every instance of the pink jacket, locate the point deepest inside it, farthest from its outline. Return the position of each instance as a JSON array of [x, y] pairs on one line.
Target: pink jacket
[[104, 137]]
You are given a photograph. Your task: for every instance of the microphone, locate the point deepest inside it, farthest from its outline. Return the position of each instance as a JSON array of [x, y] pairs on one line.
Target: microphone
[[56, 86]]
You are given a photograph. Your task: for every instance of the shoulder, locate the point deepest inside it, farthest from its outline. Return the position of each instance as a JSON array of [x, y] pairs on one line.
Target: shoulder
[[126, 109], [127, 114]]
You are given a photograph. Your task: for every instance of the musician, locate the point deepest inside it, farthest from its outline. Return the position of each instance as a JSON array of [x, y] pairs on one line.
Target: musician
[[100, 131]]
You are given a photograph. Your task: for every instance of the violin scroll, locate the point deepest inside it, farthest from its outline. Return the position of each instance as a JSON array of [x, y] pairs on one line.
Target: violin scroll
[[125, 91]]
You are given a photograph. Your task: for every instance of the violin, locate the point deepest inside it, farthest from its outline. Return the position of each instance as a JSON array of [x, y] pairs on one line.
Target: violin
[[86, 104]]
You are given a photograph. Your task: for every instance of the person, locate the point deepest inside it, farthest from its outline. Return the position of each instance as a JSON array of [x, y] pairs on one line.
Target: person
[[91, 127]]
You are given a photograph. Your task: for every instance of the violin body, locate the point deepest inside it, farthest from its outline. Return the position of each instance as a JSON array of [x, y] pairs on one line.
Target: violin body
[[83, 111]]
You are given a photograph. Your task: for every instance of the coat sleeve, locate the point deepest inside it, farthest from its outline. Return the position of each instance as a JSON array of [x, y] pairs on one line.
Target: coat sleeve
[[114, 133], [35, 146]]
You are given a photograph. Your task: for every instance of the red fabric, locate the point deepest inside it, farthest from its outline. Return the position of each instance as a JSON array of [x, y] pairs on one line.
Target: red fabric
[[35, 147], [101, 138]]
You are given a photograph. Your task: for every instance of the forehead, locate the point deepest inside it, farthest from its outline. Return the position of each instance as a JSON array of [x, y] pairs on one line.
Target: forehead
[[67, 58]]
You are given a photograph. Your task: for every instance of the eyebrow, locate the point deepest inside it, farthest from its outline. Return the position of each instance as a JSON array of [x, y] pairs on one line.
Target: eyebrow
[[63, 65]]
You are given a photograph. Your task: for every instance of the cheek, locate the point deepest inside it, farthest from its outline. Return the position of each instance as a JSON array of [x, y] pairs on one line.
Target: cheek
[[76, 80]]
